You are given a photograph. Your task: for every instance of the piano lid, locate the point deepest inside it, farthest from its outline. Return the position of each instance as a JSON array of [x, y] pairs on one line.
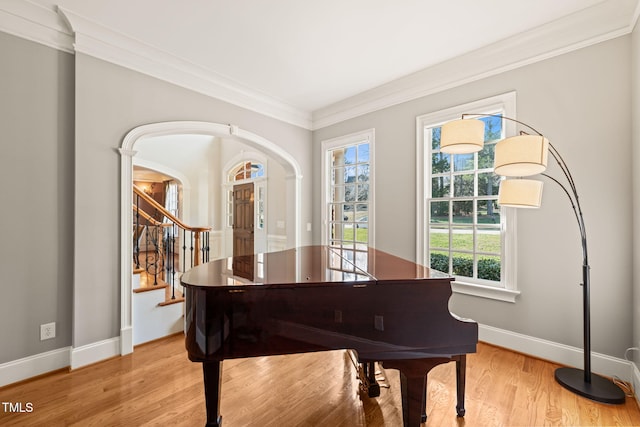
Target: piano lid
[[307, 265]]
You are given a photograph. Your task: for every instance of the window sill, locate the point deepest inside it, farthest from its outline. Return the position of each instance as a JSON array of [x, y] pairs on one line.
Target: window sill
[[490, 292]]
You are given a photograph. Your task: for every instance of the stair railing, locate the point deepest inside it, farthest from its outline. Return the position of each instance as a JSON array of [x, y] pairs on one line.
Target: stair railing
[[162, 231]]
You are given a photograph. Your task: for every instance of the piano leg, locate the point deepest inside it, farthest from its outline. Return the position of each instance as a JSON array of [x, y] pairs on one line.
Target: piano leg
[[373, 388], [413, 385], [461, 369], [212, 382], [423, 418], [412, 397]]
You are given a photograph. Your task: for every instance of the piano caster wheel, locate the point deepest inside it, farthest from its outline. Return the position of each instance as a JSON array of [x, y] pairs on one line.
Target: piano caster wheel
[[423, 419], [374, 390], [460, 412]]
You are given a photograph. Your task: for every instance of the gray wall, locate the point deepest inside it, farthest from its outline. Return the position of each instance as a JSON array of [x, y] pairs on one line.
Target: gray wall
[[36, 171], [110, 101], [581, 101], [635, 111]]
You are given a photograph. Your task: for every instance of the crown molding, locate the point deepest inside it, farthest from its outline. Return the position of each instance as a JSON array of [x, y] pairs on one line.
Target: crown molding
[[65, 30], [603, 21], [101, 42], [36, 23]]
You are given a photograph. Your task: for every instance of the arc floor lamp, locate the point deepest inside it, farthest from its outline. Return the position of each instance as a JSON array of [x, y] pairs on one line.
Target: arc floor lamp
[[522, 156]]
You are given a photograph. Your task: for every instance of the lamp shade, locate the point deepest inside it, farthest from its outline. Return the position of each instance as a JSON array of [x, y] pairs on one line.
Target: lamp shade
[[521, 155], [462, 136], [520, 193]]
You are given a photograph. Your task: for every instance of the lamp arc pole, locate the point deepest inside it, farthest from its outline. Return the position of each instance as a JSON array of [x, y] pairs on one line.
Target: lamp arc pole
[[579, 381]]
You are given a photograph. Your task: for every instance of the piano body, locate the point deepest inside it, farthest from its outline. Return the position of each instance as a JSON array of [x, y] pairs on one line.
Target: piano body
[[317, 298]]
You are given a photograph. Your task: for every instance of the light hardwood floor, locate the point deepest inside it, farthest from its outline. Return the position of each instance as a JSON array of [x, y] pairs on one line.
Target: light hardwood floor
[[158, 386]]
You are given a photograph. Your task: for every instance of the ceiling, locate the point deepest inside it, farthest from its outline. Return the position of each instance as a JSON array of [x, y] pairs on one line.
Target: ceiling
[[312, 54]]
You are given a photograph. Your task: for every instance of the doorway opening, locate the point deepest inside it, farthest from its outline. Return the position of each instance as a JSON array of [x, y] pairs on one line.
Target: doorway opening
[[292, 190]]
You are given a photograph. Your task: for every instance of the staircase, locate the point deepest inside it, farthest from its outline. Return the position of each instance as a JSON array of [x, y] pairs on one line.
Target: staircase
[[155, 314], [164, 248]]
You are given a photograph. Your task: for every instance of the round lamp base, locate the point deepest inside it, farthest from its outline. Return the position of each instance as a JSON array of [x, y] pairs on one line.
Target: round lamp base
[[599, 389]]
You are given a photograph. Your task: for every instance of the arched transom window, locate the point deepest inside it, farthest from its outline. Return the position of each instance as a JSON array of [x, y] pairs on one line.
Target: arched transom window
[[246, 170]]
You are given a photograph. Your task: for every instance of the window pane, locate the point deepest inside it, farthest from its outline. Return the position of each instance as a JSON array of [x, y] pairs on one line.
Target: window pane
[[439, 260], [463, 185], [489, 268], [492, 128], [486, 156], [363, 192], [488, 184], [435, 138], [462, 239], [349, 193], [439, 212], [336, 231], [362, 212], [440, 163], [438, 237], [363, 173], [350, 155], [337, 193], [349, 174], [347, 212], [462, 212], [257, 170], [488, 240], [362, 233], [362, 260], [337, 177], [347, 231], [363, 153], [488, 212], [337, 157], [440, 186], [462, 264], [463, 162]]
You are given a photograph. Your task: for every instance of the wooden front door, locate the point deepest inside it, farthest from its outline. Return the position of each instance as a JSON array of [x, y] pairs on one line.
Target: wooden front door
[[243, 231]]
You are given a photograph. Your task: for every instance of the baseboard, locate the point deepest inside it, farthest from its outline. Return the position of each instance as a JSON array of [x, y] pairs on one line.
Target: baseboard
[[635, 375], [557, 353], [39, 364], [94, 352], [27, 367], [126, 340]]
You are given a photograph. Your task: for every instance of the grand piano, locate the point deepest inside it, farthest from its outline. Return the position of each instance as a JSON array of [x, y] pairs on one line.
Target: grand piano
[[316, 298]]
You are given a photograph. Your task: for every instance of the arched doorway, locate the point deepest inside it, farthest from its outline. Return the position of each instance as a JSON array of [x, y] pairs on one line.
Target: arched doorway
[[127, 153]]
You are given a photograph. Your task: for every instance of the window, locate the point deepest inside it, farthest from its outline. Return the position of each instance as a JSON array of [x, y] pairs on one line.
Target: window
[[348, 193], [465, 232], [246, 170]]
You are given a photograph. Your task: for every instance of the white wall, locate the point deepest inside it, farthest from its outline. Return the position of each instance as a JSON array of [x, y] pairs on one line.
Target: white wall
[[581, 101]]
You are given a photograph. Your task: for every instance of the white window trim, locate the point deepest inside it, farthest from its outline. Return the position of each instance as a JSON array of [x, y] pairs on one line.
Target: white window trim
[[510, 291], [343, 141]]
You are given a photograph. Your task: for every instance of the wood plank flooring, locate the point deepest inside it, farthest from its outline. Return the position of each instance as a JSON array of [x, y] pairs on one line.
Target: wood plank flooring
[[158, 386]]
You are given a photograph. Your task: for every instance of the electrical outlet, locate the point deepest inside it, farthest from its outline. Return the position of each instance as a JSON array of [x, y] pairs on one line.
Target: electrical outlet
[[47, 331]]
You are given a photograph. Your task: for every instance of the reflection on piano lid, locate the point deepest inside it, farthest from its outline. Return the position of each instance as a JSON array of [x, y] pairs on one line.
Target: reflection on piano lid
[[308, 265]]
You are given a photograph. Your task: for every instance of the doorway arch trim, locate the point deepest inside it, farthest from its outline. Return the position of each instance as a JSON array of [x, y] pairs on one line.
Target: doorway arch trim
[[127, 152]]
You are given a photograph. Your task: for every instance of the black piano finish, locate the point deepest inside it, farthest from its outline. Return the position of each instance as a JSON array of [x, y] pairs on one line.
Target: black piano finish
[[317, 298]]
